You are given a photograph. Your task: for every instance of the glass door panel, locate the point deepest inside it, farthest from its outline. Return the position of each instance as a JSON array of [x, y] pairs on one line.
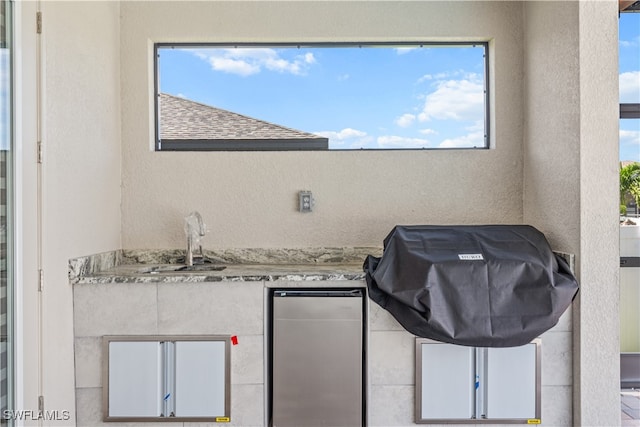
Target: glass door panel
[[6, 236]]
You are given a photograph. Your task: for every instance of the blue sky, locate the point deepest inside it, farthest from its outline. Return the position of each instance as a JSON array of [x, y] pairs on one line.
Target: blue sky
[[630, 83], [369, 97]]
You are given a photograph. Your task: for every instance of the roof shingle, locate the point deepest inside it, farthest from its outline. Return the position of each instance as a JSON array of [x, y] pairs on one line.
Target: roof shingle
[[183, 119]]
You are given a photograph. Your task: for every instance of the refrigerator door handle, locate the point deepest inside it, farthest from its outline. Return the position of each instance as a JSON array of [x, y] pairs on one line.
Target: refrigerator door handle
[[319, 293]]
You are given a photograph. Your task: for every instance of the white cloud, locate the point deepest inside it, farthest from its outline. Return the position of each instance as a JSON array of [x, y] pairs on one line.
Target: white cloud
[[405, 50], [455, 99], [233, 66], [630, 43], [442, 76], [390, 141], [630, 137], [630, 86], [283, 66], [343, 134], [429, 77], [472, 139], [405, 120], [248, 61], [428, 131], [347, 138]]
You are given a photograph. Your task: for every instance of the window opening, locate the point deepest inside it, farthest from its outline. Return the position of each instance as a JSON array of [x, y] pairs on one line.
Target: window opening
[[340, 96]]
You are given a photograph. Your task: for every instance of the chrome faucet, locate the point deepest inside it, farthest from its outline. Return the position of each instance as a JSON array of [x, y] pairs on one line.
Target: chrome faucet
[[195, 229]]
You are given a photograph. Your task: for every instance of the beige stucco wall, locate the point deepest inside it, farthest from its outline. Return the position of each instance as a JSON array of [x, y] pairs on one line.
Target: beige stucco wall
[[552, 122], [250, 199], [598, 336], [552, 138], [80, 175], [570, 178]]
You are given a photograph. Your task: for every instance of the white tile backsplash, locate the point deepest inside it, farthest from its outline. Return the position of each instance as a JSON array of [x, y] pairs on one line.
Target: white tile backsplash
[[557, 406], [381, 320], [89, 406], [247, 360], [391, 358], [115, 309], [230, 308], [391, 406], [247, 405], [565, 321], [88, 356], [556, 358]]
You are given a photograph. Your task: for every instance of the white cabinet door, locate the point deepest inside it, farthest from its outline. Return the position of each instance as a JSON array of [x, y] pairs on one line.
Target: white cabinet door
[[447, 381], [147, 378], [134, 379], [511, 382], [468, 384], [200, 378]]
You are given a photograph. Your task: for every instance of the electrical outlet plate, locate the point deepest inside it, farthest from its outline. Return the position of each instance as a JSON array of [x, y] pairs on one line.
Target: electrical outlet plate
[[305, 201]]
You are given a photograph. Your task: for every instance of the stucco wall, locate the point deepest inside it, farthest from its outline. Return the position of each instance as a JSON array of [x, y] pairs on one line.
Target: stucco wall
[[80, 176], [551, 141], [598, 336], [249, 199], [552, 122], [570, 178]]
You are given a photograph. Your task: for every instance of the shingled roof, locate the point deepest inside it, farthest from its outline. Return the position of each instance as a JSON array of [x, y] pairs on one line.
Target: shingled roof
[[190, 125]]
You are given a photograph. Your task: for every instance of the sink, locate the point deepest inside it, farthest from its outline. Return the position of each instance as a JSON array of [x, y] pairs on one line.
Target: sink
[[201, 267], [171, 268]]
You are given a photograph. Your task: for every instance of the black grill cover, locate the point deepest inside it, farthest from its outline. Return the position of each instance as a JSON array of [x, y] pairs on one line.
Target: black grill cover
[[481, 286]]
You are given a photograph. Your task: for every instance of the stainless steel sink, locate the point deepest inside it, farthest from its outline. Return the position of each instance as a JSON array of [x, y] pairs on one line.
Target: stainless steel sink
[[172, 268], [201, 267]]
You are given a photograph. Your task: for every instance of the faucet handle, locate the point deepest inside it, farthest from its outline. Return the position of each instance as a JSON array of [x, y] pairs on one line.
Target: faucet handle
[[194, 226], [194, 229]]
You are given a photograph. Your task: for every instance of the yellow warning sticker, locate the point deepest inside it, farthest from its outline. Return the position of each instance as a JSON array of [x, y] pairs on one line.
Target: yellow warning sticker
[[223, 419], [534, 421]]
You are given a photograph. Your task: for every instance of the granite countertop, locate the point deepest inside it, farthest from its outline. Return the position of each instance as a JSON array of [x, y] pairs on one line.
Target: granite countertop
[[240, 265], [154, 266]]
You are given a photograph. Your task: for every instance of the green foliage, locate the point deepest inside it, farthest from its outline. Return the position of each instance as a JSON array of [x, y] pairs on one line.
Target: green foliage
[[623, 210], [630, 183]]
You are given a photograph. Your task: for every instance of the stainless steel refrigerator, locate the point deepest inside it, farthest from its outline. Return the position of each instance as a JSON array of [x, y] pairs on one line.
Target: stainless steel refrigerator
[[317, 358]]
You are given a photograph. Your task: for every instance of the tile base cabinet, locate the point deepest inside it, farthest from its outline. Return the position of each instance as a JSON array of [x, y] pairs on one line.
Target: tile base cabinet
[[240, 308], [474, 385]]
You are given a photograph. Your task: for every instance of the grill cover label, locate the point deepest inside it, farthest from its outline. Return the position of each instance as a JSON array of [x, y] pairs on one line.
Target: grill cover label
[[471, 257]]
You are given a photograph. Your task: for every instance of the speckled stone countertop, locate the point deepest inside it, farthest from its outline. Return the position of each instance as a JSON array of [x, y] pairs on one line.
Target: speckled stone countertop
[[153, 266], [240, 265]]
